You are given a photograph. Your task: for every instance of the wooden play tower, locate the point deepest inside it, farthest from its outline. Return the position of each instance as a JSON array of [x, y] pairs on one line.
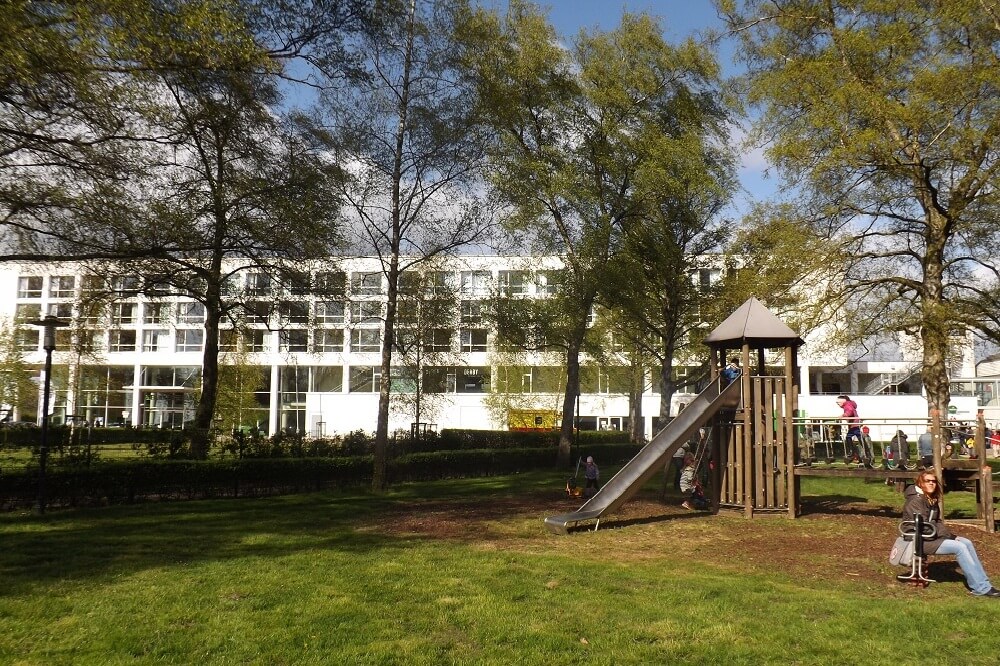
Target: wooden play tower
[[755, 445]]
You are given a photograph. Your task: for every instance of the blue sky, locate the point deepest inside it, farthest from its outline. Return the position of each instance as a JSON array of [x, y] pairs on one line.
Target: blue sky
[[680, 19]]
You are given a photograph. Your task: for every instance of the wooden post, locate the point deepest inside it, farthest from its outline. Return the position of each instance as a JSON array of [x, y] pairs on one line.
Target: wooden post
[[792, 439], [984, 489], [748, 429]]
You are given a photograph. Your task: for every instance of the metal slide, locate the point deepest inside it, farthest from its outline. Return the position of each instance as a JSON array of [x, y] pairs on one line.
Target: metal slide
[[648, 462]]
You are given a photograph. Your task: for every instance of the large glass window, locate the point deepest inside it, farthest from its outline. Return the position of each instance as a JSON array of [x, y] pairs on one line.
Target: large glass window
[[473, 339], [62, 286], [441, 282], [472, 312], [364, 378], [257, 312], [258, 284], [473, 380], [255, 341], [126, 285], [61, 310], [366, 284], [29, 286], [105, 392], [293, 340], [190, 339], [475, 283], [91, 285], [123, 314], [25, 312], [91, 313], [294, 312], [190, 313], [403, 380], [156, 313], [121, 341], [178, 376], [329, 312], [155, 340], [27, 338], [366, 312], [328, 379], [438, 340], [366, 340], [328, 340], [512, 283], [548, 282], [228, 340], [331, 282]]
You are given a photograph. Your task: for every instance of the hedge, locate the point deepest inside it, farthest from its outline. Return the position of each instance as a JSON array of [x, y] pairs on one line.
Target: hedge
[[151, 479]]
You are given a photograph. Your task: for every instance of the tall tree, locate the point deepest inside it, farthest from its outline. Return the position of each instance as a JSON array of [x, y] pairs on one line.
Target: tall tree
[[425, 350], [237, 192], [577, 134], [407, 131], [77, 81], [885, 117]]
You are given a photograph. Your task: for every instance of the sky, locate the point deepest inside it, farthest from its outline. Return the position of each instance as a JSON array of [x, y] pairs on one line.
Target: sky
[[680, 19]]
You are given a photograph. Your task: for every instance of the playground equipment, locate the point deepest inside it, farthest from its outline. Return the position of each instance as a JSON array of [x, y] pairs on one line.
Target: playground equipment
[[918, 531], [755, 435]]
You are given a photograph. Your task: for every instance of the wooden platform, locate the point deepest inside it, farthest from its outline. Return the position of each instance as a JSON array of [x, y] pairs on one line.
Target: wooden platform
[[859, 472]]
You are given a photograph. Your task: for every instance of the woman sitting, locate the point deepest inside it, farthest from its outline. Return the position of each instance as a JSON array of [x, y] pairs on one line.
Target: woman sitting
[[924, 499]]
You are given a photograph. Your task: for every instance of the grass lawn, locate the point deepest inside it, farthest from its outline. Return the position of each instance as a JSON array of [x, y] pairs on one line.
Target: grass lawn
[[464, 572]]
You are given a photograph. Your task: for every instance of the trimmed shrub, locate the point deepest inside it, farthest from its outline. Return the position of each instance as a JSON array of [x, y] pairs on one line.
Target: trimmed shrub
[[115, 482]]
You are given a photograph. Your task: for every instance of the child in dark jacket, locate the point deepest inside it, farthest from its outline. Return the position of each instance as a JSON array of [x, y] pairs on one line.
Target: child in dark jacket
[[592, 475]]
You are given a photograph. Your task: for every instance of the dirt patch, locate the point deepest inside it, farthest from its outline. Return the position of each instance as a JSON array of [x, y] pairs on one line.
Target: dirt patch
[[846, 541]]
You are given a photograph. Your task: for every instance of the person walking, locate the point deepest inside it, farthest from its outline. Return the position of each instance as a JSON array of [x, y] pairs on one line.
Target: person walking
[[853, 422]]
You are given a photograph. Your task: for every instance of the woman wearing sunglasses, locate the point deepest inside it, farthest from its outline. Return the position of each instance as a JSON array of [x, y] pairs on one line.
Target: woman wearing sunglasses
[[924, 499]]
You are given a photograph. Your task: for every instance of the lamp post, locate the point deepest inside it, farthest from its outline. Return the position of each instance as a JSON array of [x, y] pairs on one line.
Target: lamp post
[[48, 325]]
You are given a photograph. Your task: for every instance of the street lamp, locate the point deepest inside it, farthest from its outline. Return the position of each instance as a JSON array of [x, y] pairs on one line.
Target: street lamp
[[48, 325]]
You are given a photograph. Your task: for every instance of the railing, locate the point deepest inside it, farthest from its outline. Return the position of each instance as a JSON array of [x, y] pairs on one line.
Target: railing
[[887, 379]]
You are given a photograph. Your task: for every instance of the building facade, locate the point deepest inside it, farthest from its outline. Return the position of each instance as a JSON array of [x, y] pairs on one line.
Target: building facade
[[308, 350]]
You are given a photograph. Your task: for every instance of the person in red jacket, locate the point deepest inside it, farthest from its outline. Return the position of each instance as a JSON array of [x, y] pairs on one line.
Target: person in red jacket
[[853, 421]]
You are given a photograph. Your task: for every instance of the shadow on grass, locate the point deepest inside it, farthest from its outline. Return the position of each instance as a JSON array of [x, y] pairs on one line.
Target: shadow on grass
[[611, 524], [845, 504], [102, 543]]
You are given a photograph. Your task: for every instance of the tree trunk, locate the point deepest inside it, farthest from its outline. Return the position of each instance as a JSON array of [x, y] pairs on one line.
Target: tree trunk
[[379, 480], [934, 325], [637, 432], [201, 430], [566, 430]]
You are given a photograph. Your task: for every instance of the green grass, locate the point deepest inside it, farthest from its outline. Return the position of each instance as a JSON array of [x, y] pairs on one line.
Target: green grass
[[433, 573]]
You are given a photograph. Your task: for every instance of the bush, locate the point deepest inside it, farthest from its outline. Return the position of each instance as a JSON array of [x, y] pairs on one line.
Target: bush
[[165, 479]]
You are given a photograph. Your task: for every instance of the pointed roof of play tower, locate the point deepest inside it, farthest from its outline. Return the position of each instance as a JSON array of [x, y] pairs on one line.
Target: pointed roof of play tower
[[752, 323]]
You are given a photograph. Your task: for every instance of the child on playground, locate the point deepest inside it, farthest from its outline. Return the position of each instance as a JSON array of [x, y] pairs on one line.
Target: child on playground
[[690, 486], [731, 371], [592, 474]]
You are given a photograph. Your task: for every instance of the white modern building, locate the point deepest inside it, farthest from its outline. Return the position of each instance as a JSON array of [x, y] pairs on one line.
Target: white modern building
[[135, 358]]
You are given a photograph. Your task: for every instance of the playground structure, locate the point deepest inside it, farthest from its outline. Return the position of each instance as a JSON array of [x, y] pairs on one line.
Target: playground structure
[[759, 444]]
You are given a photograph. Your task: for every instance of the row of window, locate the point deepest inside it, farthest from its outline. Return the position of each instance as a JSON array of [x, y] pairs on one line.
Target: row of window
[[291, 340], [193, 312], [368, 283]]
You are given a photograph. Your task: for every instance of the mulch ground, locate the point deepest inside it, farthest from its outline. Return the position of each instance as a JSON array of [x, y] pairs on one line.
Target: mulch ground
[[843, 540]]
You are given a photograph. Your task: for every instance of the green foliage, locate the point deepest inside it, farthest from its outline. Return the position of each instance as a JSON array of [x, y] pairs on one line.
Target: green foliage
[[15, 379], [103, 482], [883, 115]]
